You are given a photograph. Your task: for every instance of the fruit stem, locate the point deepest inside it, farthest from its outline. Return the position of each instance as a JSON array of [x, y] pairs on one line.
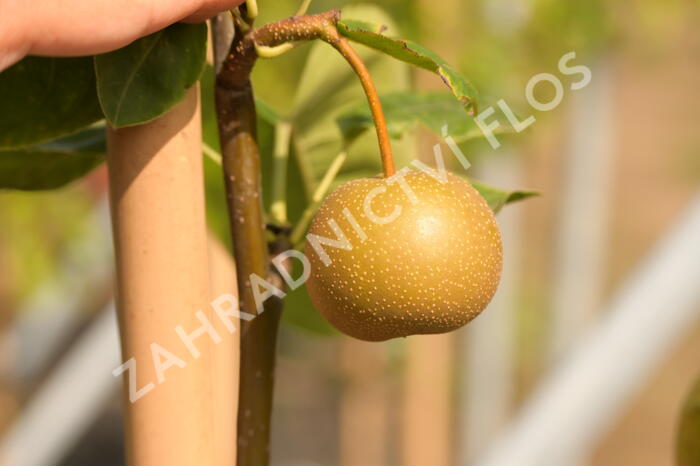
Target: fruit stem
[[343, 46]]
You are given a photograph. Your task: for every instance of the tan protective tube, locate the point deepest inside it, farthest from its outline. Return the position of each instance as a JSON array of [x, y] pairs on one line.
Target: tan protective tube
[[163, 277]]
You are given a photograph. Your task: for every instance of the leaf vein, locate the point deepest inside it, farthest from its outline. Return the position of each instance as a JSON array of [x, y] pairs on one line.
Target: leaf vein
[[132, 75]]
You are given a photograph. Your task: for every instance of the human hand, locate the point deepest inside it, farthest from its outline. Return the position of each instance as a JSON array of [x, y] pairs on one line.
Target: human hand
[[86, 27]]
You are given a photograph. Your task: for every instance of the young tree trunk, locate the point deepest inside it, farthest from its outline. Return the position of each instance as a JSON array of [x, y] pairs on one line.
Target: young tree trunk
[[157, 202]]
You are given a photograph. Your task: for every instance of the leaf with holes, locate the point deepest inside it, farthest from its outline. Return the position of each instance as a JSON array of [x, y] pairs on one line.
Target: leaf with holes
[[405, 50], [53, 164], [143, 80], [45, 98]]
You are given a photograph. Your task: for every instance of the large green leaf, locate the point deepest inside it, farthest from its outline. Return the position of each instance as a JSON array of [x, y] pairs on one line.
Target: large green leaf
[[45, 98], [405, 50], [436, 111], [688, 440], [496, 198], [143, 80], [52, 164]]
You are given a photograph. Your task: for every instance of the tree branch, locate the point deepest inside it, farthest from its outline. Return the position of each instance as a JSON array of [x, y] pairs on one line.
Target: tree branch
[[241, 163]]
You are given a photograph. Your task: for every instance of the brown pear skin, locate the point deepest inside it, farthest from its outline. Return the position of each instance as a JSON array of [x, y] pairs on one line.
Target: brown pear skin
[[431, 269]]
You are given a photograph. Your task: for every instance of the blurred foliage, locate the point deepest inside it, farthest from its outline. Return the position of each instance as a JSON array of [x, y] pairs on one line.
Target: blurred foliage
[[312, 86], [556, 27], [36, 228], [498, 44], [53, 164]]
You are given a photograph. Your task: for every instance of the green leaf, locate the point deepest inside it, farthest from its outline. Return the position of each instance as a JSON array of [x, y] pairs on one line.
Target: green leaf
[[415, 54], [404, 110], [143, 80], [496, 198], [53, 164], [688, 440], [45, 98]]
